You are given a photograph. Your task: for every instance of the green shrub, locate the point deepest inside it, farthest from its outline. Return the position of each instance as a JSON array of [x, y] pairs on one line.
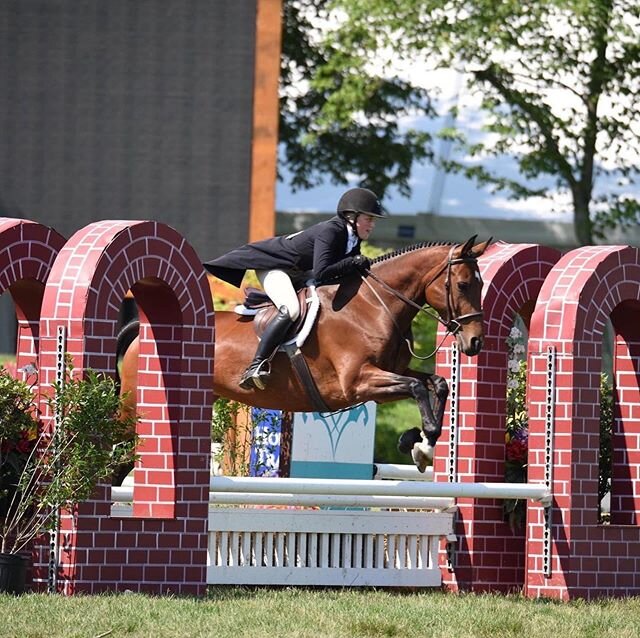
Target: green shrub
[[42, 471]]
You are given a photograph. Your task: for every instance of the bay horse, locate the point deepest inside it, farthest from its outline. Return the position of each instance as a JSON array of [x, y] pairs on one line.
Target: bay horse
[[360, 347]]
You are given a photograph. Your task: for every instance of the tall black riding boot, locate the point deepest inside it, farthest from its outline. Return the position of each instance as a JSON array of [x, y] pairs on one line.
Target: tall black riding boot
[[257, 374]]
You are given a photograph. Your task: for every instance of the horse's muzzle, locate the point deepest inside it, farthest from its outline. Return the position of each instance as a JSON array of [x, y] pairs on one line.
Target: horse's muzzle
[[471, 347]]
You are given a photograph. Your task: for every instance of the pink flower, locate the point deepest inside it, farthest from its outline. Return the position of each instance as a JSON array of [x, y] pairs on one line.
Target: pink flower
[[517, 450]]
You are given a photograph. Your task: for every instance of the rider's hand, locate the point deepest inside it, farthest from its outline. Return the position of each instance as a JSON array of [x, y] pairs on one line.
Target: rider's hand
[[362, 263]]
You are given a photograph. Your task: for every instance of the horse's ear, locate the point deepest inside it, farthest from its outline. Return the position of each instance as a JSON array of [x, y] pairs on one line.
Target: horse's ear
[[480, 248], [466, 249]]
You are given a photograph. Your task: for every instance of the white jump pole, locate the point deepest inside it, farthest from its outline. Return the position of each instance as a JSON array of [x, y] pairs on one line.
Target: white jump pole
[[124, 494], [269, 485], [331, 500], [401, 472]]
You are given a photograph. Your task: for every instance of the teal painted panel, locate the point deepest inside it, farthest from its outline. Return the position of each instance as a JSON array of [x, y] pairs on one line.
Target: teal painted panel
[[311, 469]]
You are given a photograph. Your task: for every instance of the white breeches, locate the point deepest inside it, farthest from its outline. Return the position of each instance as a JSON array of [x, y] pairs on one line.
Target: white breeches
[[278, 286]]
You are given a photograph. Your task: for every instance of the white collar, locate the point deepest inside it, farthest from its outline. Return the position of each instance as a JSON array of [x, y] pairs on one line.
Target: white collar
[[352, 239]]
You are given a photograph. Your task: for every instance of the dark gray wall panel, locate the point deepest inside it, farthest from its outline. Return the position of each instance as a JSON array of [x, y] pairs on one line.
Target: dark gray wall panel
[[128, 109]]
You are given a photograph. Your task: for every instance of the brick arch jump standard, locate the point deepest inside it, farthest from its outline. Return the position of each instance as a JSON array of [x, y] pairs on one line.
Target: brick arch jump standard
[[27, 253], [163, 547], [587, 286], [489, 556]]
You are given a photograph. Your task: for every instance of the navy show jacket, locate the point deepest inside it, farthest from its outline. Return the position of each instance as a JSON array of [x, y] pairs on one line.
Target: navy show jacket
[[319, 252]]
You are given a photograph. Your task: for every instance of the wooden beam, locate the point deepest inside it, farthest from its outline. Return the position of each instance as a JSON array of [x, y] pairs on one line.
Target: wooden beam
[[262, 215]]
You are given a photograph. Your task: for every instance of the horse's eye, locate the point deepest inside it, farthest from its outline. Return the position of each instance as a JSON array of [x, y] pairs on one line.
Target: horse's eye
[[463, 286]]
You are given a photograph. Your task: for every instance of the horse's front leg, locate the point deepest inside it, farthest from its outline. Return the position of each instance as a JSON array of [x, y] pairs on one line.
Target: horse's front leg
[[419, 443], [382, 386]]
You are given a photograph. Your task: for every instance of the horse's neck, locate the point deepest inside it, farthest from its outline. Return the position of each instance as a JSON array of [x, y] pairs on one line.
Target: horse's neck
[[409, 272], [405, 274]]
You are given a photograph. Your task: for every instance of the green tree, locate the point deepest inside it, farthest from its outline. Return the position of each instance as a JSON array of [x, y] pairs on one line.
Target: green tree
[[318, 130], [558, 82]]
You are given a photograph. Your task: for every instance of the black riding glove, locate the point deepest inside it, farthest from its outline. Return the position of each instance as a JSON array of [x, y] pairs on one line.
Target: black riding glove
[[361, 263], [344, 267]]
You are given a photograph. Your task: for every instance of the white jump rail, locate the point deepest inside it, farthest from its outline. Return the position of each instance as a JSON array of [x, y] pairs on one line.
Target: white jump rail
[[271, 540], [268, 485], [299, 496], [125, 495], [403, 472], [348, 493]]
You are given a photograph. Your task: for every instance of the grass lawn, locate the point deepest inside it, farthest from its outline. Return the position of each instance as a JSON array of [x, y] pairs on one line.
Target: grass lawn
[[297, 613]]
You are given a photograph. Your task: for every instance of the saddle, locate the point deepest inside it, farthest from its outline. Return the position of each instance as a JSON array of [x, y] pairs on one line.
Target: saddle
[[258, 305]]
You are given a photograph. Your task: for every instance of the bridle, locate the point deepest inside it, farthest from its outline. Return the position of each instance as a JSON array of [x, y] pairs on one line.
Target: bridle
[[452, 324]]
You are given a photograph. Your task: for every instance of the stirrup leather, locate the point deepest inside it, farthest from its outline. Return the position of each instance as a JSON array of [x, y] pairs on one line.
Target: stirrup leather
[[256, 375]]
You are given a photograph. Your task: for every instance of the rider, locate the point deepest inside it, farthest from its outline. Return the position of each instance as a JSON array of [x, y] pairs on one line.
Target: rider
[[325, 252]]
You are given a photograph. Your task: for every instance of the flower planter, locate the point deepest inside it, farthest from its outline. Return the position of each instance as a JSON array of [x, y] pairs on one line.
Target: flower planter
[[13, 572]]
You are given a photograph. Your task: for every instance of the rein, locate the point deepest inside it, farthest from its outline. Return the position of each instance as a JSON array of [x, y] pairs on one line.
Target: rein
[[452, 324]]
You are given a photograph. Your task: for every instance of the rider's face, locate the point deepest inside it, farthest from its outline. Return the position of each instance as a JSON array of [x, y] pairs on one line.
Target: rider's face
[[365, 225]]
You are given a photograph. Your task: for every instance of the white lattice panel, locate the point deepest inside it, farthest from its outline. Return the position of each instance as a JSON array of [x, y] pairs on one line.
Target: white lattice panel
[[325, 547]]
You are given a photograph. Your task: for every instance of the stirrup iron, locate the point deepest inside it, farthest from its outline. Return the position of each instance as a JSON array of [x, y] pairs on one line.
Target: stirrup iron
[[256, 375]]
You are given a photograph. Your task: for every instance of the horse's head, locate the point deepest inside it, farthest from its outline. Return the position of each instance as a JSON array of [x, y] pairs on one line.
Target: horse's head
[[459, 302]]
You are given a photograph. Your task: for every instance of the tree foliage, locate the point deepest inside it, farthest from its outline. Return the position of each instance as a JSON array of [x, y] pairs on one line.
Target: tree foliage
[[558, 82], [336, 123]]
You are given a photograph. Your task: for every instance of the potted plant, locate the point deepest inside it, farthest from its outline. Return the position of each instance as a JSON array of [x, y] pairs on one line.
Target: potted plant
[[42, 471]]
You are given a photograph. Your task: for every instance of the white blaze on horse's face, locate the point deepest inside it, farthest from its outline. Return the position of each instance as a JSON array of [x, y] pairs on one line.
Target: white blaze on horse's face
[[466, 305]]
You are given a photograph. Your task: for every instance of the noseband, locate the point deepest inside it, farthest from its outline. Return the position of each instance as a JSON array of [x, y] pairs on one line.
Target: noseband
[[452, 324]]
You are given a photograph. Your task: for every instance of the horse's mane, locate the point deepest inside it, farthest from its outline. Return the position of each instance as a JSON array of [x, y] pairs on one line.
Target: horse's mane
[[409, 249]]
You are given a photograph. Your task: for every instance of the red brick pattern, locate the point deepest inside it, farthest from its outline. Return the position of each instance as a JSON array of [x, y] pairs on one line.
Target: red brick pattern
[[27, 252], [163, 548], [588, 286], [626, 462], [489, 555]]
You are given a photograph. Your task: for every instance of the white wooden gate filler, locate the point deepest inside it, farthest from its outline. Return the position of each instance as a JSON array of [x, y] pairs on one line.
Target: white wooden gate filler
[[386, 546], [325, 547]]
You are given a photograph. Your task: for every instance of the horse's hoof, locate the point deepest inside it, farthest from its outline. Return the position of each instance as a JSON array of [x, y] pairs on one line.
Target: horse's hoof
[[422, 455], [408, 439]]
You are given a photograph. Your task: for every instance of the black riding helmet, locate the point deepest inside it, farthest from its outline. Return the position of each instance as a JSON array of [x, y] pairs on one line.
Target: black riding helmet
[[361, 201]]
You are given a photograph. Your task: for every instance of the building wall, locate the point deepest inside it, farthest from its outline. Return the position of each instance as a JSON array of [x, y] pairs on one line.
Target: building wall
[[404, 230], [129, 110], [164, 110]]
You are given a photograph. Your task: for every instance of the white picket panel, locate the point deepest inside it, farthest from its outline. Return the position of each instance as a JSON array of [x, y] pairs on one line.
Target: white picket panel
[[250, 546]]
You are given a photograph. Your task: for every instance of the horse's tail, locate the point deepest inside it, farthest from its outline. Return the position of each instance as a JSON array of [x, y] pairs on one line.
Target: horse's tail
[[124, 339]]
